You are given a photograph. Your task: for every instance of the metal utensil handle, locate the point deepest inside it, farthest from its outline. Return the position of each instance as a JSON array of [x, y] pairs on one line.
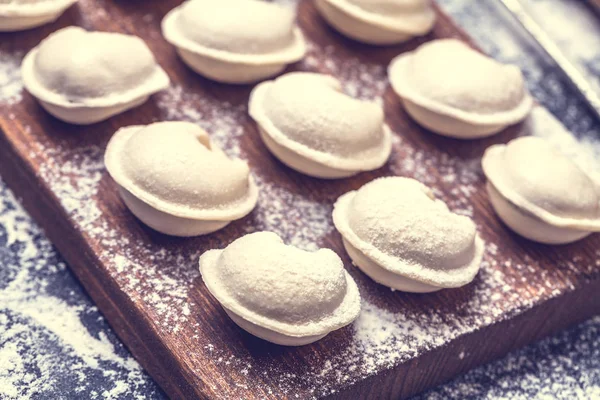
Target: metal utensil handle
[[572, 73]]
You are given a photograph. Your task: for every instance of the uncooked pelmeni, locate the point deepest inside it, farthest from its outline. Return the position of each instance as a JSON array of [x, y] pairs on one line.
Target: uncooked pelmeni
[[453, 90], [379, 22], [85, 77], [176, 181], [278, 292], [312, 126], [235, 41], [17, 15], [396, 232], [539, 193]]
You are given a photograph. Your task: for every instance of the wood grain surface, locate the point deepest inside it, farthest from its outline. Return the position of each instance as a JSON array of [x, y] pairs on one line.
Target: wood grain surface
[[147, 284]]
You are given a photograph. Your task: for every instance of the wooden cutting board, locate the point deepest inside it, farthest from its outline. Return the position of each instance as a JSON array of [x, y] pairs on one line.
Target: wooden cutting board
[[148, 286]]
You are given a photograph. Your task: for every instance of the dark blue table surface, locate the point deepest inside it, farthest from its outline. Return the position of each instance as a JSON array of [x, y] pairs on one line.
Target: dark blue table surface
[[54, 343]]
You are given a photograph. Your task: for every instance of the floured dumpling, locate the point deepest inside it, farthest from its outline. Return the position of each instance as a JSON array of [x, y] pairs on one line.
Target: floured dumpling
[[278, 292], [455, 91], [235, 41], [312, 126], [396, 232], [379, 22], [176, 181], [85, 77], [17, 15], [539, 193]]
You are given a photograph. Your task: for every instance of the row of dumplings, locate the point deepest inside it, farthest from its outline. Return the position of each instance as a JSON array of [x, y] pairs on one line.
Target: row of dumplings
[[85, 77], [179, 183], [393, 229], [380, 22], [176, 181]]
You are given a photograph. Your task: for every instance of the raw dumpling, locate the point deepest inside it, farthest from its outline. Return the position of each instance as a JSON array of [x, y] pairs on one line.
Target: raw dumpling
[[455, 91], [85, 77], [312, 126], [278, 292], [235, 41], [379, 22], [539, 193], [18, 15], [176, 181], [396, 232]]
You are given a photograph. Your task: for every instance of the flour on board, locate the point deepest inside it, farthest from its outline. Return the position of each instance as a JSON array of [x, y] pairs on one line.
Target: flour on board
[[11, 85]]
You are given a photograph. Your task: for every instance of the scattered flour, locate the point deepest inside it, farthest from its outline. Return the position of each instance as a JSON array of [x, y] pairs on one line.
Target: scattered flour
[[561, 367], [11, 86], [219, 118], [302, 221], [359, 78], [37, 319], [92, 12]]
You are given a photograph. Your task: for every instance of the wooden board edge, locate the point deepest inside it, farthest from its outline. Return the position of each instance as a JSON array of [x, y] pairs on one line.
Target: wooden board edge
[[413, 377], [118, 309]]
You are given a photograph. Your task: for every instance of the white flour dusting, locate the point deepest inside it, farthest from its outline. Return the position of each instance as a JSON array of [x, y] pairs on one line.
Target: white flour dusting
[[11, 85], [36, 319], [304, 221], [220, 120], [360, 79], [92, 12], [564, 366]]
